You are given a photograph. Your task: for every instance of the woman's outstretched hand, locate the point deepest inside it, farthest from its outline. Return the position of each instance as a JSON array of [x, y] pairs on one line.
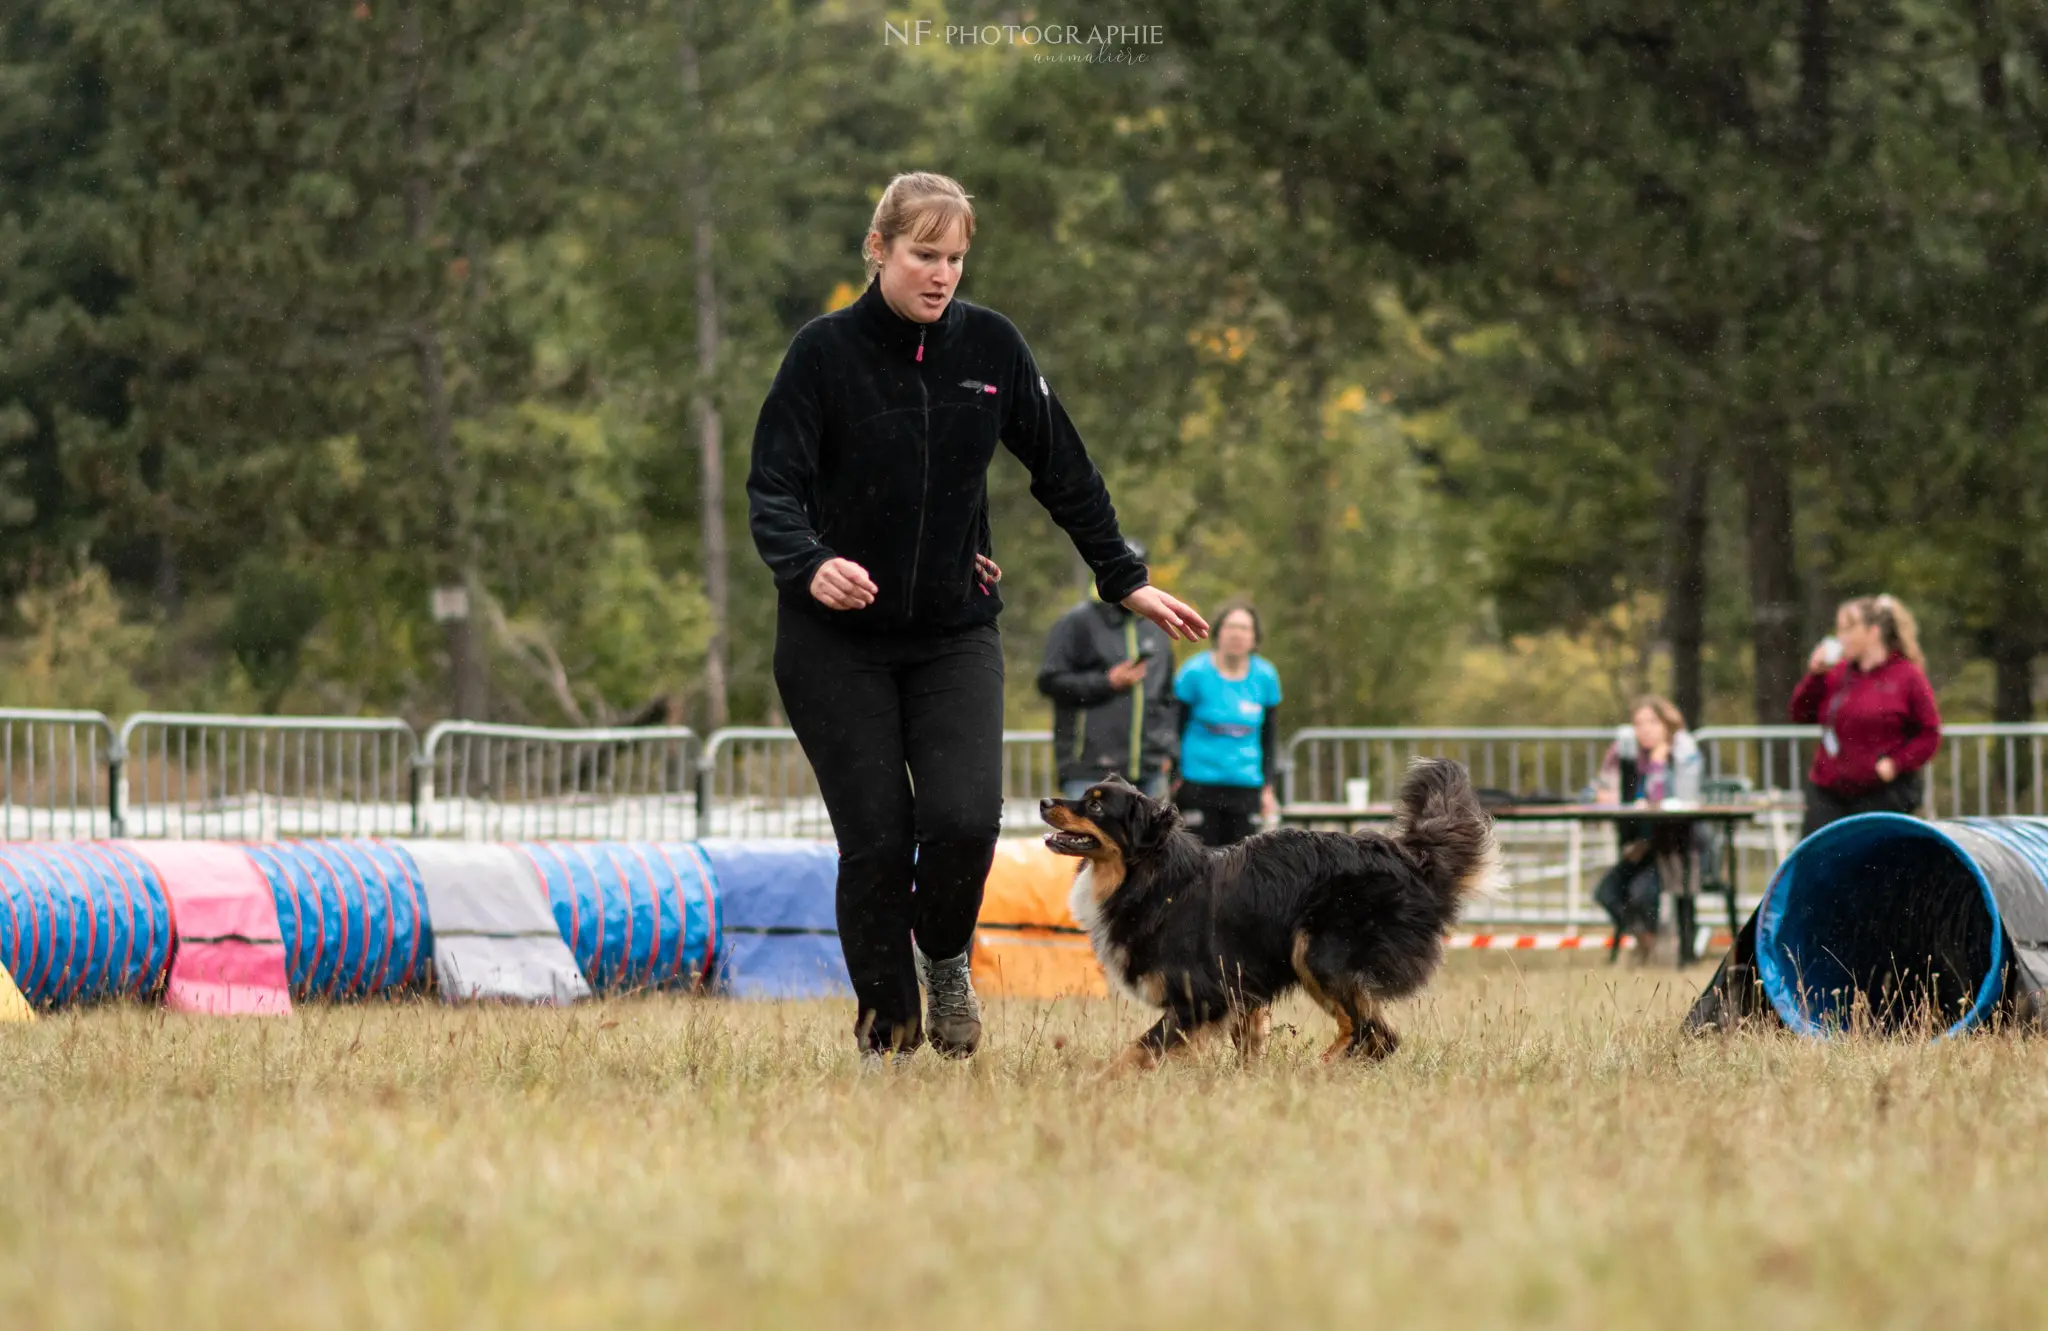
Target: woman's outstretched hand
[[841, 584], [1177, 617]]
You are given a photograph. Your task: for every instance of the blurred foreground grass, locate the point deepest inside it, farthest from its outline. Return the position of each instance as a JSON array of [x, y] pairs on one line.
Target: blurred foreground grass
[[1545, 1150]]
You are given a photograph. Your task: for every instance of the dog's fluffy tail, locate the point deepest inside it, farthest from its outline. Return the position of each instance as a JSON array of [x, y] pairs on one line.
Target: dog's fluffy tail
[[1438, 822]]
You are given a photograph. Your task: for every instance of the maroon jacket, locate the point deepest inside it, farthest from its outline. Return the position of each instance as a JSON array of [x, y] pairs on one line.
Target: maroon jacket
[[1888, 712]]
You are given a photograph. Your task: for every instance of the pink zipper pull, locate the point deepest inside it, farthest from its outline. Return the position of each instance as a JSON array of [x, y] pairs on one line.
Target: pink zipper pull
[[920, 348]]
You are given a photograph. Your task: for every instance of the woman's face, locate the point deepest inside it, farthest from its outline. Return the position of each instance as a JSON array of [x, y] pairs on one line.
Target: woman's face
[[1235, 636], [918, 276], [1651, 732], [1850, 628]]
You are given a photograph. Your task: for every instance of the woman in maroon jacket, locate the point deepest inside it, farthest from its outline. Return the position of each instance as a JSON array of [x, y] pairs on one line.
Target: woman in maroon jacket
[[1879, 725]]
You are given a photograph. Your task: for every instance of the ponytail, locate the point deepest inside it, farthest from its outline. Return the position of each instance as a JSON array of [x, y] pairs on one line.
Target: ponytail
[[1888, 615]]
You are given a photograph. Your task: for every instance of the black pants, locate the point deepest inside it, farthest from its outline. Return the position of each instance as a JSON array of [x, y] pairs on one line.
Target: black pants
[[905, 733], [1219, 815], [1826, 806]]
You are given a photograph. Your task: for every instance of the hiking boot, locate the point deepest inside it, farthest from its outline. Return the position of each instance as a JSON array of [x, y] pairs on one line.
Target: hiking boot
[[952, 1015]]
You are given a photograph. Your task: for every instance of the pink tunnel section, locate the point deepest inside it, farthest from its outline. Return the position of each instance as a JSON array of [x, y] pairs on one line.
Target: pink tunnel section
[[228, 958]]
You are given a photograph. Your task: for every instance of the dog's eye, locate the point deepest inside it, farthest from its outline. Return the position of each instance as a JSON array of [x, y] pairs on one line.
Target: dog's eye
[[1095, 806]]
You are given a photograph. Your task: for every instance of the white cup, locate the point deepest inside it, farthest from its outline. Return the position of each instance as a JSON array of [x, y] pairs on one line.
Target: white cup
[[1357, 793], [1830, 649]]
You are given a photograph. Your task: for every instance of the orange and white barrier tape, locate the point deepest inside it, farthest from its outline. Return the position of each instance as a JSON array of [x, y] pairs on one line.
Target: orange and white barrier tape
[[1564, 942]]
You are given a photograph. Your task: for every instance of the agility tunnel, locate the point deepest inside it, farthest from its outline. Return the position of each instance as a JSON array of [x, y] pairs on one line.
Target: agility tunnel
[[80, 923], [1027, 943], [231, 928], [635, 915], [780, 929], [495, 936], [352, 916], [1887, 924], [228, 958]]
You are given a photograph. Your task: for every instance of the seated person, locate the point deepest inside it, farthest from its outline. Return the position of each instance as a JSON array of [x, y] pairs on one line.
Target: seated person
[[1653, 759]]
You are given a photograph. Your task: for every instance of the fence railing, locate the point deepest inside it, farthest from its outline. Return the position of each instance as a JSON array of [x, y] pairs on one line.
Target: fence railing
[[496, 783], [74, 775], [1987, 771], [755, 782], [1980, 770], [53, 775], [1323, 762], [179, 774]]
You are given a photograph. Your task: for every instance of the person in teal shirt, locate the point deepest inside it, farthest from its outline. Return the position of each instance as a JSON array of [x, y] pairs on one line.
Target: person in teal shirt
[[1229, 696]]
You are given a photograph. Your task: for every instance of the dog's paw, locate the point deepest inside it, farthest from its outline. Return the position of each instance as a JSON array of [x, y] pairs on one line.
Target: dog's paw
[[1133, 1059]]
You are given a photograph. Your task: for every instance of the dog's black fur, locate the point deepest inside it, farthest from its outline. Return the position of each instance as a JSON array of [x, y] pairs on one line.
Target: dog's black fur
[[1213, 937]]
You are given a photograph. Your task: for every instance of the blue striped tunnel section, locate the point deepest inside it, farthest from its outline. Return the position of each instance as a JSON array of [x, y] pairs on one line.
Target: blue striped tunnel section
[[81, 922], [636, 915], [353, 915]]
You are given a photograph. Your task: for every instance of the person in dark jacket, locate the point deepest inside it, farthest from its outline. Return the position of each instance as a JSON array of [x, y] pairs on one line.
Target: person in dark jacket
[[868, 500], [1109, 675], [1879, 722]]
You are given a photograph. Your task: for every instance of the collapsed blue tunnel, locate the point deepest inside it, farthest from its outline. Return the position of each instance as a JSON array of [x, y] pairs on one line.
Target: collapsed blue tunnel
[[1891, 925]]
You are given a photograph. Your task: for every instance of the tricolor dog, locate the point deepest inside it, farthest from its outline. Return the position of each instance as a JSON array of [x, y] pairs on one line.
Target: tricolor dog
[[1214, 937]]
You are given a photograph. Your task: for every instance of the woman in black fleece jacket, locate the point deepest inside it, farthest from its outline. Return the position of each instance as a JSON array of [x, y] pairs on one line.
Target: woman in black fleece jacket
[[868, 499]]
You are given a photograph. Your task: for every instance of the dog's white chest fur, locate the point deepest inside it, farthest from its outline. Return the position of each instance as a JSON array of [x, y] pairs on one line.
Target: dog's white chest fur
[[1116, 963]]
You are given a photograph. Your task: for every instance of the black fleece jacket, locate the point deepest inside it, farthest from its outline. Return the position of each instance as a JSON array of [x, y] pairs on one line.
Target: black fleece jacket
[[874, 445]]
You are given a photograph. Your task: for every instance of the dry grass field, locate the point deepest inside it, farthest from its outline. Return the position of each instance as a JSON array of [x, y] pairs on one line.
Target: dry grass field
[[1547, 1150]]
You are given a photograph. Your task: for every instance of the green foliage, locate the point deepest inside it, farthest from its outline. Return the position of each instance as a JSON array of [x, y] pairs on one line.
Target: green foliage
[[1400, 318], [274, 609], [71, 648]]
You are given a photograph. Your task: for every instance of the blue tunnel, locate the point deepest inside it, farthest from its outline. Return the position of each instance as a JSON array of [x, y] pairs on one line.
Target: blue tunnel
[[1890, 925]]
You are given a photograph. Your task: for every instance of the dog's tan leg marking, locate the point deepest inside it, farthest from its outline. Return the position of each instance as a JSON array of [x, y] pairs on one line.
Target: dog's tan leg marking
[[1183, 1046], [1302, 973], [1148, 1052], [1249, 1030], [1345, 1030], [1322, 999], [1136, 1057]]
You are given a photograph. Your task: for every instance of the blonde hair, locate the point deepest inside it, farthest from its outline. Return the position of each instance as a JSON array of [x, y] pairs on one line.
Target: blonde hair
[[1888, 615], [922, 205], [1666, 710]]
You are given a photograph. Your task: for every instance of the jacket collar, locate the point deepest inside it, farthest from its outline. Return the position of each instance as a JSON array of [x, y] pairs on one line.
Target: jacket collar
[[1856, 671], [897, 333]]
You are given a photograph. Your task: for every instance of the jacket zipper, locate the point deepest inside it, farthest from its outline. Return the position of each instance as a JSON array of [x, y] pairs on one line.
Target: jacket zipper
[[923, 483]]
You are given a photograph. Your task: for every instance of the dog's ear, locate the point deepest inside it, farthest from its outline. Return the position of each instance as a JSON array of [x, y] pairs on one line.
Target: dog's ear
[[1152, 822]]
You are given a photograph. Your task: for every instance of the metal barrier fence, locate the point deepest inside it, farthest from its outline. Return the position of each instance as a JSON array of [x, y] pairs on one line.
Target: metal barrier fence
[[755, 782], [73, 775], [497, 783], [53, 775], [1980, 770], [1322, 763], [179, 774], [1550, 867], [1987, 771]]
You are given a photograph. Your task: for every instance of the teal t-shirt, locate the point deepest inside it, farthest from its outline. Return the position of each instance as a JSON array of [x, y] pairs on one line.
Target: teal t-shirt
[[1220, 744]]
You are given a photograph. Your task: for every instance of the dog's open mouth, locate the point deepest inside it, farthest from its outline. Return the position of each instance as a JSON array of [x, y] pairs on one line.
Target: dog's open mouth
[[1070, 843]]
